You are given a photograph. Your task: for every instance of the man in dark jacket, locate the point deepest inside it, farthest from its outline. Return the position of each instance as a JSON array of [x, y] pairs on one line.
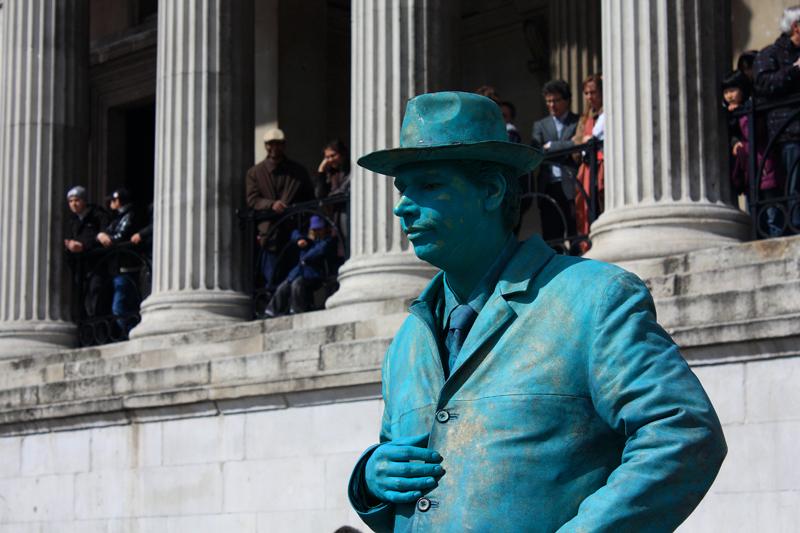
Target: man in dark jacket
[[777, 76], [556, 176], [273, 185], [85, 222], [125, 300]]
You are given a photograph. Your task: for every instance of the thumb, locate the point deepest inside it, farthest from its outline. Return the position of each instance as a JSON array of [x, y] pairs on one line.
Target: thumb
[[419, 441]]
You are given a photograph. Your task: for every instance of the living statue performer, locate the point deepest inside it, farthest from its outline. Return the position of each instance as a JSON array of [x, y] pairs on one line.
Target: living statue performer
[[526, 391]]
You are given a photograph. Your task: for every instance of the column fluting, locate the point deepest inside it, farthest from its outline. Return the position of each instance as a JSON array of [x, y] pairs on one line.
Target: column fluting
[[204, 125], [667, 187], [400, 48], [43, 150]]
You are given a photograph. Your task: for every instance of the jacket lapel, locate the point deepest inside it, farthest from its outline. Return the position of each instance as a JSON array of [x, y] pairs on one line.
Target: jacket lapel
[[425, 309], [497, 314]]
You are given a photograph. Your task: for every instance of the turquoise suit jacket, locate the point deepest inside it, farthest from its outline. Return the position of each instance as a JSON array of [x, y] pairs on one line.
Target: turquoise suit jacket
[[569, 408]]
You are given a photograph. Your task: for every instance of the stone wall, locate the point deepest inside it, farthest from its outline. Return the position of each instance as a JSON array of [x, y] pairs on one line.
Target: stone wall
[[264, 471], [255, 427]]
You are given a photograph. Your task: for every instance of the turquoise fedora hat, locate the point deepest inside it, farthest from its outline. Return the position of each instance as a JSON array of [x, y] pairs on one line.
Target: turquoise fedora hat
[[452, 126]]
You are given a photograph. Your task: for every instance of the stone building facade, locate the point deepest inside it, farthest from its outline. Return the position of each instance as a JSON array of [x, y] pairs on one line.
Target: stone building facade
[[205, 421]]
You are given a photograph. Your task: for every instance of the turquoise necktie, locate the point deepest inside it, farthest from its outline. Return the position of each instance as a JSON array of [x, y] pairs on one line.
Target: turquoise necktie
[[461, 319]]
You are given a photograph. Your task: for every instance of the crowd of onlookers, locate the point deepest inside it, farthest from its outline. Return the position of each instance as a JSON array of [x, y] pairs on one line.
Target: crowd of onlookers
[[563, 182], [109, 282], [300, 252], [301, 241], [763, 79]]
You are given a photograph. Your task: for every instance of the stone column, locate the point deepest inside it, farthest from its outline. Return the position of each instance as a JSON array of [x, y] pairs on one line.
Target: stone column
[[399, 49], [43, 150], [575, 43], [204, 124], [666, 149]]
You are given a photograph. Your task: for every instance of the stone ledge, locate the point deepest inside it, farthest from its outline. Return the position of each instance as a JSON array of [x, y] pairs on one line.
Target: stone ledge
[[219, 381]]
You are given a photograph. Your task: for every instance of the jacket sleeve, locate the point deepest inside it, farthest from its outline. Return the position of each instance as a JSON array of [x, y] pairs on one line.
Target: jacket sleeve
[[537, 136], [772, 79], [379, 518], [644, 389], [253, 196], [124, 229]]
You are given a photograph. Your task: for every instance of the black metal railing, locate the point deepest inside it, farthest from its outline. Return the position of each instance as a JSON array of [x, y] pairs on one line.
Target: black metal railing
[[109, 284], [334, 209], [552, 210], [773, 212]]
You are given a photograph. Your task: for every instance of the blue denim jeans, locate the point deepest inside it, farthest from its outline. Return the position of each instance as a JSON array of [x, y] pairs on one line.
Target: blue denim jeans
[[125, 301]]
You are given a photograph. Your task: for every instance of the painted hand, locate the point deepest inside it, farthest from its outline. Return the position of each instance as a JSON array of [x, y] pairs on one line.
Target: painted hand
[[400, 471]]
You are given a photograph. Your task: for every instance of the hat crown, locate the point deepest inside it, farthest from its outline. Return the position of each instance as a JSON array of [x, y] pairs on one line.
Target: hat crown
[[450, 118]]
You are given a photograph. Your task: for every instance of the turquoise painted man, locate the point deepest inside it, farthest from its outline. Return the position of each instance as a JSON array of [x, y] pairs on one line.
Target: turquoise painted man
[[526, 391]]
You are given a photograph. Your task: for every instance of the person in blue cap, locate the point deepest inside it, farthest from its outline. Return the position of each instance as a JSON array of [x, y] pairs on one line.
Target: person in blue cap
[[526, 391], [317, 258]]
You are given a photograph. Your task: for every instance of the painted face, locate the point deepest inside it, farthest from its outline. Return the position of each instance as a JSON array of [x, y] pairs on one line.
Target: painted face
[[593, 96], [76, 205], [556, 105], [441, 210]]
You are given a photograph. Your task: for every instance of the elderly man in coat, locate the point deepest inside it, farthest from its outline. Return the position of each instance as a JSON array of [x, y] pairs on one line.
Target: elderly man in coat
[[526, 391]]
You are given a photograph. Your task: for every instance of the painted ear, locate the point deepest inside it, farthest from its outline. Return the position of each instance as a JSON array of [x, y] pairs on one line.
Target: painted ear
[[496, 190]]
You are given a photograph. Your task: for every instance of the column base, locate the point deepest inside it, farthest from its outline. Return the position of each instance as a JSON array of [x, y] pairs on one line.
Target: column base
[[380, 277], [32, 337], [658, 230], [175, 312]]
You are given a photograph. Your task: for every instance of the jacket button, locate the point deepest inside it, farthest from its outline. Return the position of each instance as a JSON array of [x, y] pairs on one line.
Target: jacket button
[[442, 416], [423, 504]]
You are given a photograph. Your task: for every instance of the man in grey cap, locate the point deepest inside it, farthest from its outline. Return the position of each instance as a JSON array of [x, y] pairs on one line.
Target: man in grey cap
[[273, 185], [84, 223]]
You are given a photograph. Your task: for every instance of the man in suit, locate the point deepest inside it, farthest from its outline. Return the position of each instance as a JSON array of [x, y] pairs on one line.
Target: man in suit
[[526, 391], [557, 176]]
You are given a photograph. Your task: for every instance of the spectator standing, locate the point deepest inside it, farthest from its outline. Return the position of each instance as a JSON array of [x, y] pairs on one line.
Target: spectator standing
[[274, 185], [85, 222], [556, 177], [735, 93], [745, 63], [777, 75], [333, 178], [125, 297], [509, 115], [590, 126], [317, 254]]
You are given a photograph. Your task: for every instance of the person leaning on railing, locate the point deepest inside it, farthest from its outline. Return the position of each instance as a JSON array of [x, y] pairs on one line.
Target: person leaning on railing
[[274, 185], [590, 126], [777, 75], [125, 296], [80, 236], [736, 91]]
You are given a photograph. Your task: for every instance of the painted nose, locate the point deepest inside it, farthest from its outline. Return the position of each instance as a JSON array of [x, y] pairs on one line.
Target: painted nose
[[404, 207]]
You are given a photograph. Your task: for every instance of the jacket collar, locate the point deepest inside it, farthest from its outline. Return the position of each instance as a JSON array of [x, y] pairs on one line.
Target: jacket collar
[[496, 315]]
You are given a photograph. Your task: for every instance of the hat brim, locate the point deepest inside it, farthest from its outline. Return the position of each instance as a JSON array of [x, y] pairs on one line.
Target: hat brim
[[521, 157]]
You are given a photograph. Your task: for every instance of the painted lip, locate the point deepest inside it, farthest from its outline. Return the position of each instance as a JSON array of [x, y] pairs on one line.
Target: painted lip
[[414, 232]]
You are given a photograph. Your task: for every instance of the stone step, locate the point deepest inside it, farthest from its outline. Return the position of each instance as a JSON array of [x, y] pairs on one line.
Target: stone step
[[188, 383], [747, 276], [242, 339], [721, 258], [773, 300]]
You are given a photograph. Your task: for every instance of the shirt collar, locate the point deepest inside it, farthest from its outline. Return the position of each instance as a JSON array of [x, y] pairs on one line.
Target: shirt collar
[[481, 293]]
